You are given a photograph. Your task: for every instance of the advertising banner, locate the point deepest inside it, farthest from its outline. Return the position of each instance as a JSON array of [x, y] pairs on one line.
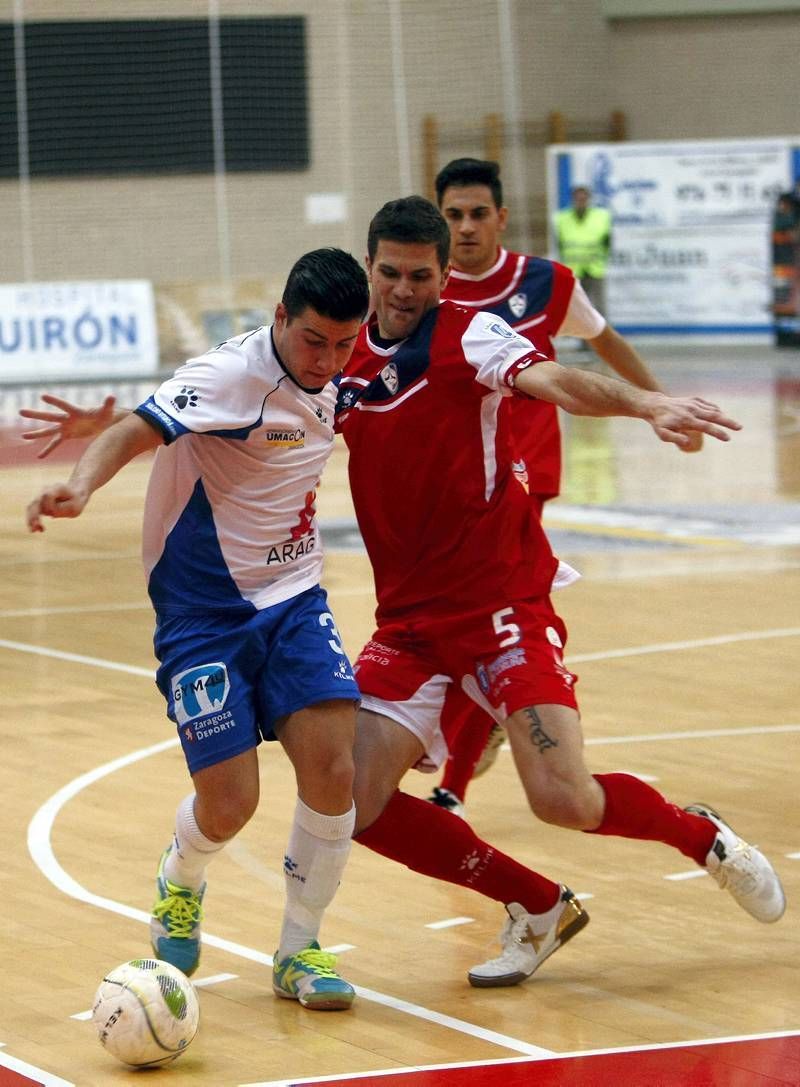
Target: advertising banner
[[691, 242], [77, 330]]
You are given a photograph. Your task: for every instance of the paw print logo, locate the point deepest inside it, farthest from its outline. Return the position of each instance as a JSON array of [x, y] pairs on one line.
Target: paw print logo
[[470, 861], [186, 398]]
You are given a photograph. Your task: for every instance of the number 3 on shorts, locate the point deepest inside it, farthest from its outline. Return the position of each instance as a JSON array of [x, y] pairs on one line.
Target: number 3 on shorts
[[327, 620], [503, 625]]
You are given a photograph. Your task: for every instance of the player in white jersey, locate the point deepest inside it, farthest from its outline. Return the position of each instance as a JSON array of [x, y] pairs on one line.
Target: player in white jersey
[[395, 731], [247, 646]]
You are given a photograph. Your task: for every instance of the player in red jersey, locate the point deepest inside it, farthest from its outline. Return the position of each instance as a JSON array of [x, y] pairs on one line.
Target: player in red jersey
[[463, 573], [441, 514], [541, 299]]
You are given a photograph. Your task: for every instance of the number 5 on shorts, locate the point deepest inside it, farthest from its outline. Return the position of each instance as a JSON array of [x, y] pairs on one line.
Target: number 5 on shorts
[[503, 625]]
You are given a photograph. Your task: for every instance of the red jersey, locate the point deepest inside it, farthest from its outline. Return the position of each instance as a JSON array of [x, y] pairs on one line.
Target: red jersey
[[531, 294], [446, 524]]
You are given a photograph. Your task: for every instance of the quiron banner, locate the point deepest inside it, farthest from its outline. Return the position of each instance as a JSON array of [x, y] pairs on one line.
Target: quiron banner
[[80, 329], [692, 221]]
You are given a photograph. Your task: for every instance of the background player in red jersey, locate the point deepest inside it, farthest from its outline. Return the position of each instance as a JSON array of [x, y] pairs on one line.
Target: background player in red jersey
[[463, 573], [541, 299]]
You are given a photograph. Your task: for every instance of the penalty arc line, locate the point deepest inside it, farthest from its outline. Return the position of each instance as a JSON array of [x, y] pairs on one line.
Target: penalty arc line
[[40, 848], [40, 827]]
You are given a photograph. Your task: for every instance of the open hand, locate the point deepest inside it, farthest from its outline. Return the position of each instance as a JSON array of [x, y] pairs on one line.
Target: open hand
[[683, 420], [68, 422]]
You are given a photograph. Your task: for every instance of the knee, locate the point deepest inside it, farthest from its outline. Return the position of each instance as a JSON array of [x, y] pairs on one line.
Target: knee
[[340, 772], [224, 817]]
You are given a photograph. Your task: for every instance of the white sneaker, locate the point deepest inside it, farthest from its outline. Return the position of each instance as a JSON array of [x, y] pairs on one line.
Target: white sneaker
[[743, 870], [525, 948], [443, 798], [494, 742]]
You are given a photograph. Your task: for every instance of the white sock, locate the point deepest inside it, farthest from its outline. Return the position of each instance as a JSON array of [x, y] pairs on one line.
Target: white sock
[[318, 848], [191, 850]]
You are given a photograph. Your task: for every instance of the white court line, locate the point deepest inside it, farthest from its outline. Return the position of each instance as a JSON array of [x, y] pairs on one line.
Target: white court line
[[198, 983], [694, 873], [579, 658], [41, 851], [502, 1063], [700, 734], [451, 922], [70, 609], [46, 1079], [76, 658], [696, 643]]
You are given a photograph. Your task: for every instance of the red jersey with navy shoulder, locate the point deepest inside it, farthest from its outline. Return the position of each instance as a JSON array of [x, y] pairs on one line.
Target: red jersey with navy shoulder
[[532, 295], [446, 524]]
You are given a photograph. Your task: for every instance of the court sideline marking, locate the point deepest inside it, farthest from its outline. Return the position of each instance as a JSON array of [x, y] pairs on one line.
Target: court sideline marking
[[501, 1063]]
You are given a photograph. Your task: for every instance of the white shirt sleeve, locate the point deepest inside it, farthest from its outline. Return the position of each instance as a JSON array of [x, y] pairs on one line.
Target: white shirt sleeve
[[581, 319], [495, 350], [211, 393]]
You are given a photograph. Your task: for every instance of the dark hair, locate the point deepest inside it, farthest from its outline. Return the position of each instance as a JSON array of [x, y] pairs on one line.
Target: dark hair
[[470, 172], [581, 188], [331, 282], [411, 219]]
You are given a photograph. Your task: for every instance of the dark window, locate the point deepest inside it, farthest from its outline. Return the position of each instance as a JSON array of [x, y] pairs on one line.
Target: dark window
[[134, 96]]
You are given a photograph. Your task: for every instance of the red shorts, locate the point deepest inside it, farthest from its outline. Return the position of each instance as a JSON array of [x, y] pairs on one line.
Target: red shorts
[[505, 660]]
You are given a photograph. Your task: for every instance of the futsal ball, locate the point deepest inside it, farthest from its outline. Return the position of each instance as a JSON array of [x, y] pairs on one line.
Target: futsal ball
[[146, 1012]]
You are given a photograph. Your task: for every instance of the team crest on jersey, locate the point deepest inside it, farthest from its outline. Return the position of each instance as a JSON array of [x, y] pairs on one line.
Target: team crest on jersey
[[517, 303], [390, 378]]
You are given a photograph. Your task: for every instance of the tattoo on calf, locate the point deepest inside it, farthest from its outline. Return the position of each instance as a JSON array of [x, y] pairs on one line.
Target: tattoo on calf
[[539, 737]]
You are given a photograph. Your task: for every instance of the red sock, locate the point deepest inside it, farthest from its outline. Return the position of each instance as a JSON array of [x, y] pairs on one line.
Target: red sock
[[635, 810], [429, 840], [466, 728]]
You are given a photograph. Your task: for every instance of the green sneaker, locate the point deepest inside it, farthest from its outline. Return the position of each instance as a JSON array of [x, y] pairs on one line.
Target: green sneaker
[[175, 923], [308, 976]]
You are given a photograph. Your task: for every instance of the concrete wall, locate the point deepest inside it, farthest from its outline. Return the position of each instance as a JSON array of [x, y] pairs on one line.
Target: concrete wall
[[373, 79]]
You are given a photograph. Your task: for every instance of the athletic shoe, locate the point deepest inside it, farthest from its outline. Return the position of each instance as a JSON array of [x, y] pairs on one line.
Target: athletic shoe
[[175, 923], [525, 946], [443, 798], [743, 870], [494, 742], [308, 976]]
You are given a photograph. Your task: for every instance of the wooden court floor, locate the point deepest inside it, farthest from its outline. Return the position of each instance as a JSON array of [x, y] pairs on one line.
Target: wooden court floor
[[684, 630]]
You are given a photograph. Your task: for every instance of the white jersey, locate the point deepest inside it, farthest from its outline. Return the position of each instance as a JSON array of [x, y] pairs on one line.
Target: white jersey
[[229, 517]]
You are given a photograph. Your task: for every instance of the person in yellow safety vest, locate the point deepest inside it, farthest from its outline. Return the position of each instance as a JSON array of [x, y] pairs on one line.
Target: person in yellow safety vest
[[583, 234]]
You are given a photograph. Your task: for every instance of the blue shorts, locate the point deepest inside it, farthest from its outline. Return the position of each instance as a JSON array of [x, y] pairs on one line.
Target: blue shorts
[[227, 678]]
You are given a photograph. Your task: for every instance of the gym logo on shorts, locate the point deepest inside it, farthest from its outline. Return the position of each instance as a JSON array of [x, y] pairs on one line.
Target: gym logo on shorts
[[199, 691]]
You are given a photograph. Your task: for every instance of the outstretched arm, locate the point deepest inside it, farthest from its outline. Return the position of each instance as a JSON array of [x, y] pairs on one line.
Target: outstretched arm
[[70, 421], [100, 462], [625, 360], [583, 393]]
